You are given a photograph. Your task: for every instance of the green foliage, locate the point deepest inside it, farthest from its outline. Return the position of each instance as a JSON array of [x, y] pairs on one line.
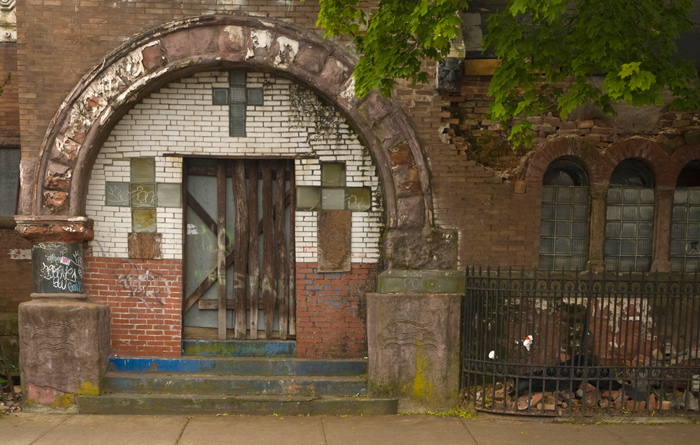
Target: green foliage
[[395, 38], [549, 50]]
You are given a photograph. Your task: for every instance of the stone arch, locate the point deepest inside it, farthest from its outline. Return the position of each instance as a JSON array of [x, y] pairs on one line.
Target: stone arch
[[55, 200]]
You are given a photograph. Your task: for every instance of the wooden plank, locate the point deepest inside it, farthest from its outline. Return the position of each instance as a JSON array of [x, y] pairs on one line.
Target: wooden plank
[[281, 242], [210, 304], [240, 245], [334, 240], [268, 268], [205, 284], [199, 291], [183, 196], [292, 256], [203, 215], [480, 67], [253, 246], [221, 246]]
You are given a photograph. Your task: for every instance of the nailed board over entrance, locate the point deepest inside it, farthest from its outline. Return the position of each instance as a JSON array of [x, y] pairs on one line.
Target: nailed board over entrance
[[239, 259]]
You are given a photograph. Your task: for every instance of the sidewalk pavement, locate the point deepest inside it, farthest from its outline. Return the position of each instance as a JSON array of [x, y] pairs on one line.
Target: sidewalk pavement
[[76, 429]]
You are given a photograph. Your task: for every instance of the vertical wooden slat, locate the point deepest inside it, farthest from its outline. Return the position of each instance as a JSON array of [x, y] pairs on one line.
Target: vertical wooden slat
[[253, 246], [268, 268], [184, 244], [281, 242], [221, 246], [240, 256], [292, 254]]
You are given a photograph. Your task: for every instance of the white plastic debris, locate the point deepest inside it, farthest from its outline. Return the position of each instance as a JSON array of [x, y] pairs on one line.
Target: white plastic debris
[[527, 342], [492, 355]]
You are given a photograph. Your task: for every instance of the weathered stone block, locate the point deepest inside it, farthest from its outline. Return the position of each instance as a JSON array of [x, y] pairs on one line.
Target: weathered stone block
[[411, 212], [424, 281], [58, 177], [334, 74], [56, 202], [65, 351], [421, 249], [413, 342], [311, 58]]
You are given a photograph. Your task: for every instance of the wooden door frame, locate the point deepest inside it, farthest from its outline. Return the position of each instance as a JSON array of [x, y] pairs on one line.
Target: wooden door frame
[[285, 306]]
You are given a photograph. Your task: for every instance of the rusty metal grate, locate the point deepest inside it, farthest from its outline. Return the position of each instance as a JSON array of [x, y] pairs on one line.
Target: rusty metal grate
[[542, 343]]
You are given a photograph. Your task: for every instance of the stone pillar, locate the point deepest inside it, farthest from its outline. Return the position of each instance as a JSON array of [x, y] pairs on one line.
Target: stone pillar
[[413, 333], [64, 339]]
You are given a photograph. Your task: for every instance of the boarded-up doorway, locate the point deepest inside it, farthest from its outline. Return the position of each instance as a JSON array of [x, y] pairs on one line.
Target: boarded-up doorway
[[239, 249]]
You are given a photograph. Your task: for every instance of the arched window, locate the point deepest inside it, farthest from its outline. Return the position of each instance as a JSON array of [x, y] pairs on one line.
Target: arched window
[[629, 218], [685, 224], [564, 222]]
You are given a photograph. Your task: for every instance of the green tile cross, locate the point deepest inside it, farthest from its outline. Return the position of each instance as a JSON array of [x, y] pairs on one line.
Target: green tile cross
[[237, 97], [333, 193]]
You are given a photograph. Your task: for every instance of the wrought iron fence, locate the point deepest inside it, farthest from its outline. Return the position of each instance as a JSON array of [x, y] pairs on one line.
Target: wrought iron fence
[[538, 343]]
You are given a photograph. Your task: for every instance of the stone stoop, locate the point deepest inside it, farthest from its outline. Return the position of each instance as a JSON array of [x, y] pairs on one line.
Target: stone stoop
[[235, 385]]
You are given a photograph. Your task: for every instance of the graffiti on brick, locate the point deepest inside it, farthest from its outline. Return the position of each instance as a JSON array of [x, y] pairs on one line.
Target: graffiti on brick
[[402, 333], [63, 271], [142, 283]]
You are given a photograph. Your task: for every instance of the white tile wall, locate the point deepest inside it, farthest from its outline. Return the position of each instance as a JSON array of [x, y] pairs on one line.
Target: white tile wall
[[180, 118]]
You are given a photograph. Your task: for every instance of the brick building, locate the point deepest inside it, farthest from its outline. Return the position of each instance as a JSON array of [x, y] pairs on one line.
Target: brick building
[[198, 162]]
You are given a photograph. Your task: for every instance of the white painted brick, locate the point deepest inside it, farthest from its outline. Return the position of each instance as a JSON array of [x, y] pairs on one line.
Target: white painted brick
[[180, 118]]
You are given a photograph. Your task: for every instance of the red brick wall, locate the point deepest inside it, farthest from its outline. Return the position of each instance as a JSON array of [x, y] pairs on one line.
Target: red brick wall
[[9, 106], [15, 274], [331, 317], [145, 301]]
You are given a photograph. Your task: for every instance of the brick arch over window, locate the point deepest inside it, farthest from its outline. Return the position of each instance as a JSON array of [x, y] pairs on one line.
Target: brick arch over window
[[648, 152], [576, 148], [681, 158], [179, 49]]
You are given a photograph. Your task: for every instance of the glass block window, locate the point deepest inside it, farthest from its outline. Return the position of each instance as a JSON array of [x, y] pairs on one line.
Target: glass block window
[[629, 219], [237, 96], [685, 221], [9, 159], [143, 195], [564, 221], [333, 193]]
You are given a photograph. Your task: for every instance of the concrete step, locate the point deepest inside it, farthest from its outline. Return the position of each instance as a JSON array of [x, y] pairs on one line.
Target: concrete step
[[239, 348], [220, 404], [198, 383], [257, 366]]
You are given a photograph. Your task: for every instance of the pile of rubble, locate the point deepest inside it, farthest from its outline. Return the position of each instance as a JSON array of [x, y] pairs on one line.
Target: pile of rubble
[[11, 402], [585, 398]]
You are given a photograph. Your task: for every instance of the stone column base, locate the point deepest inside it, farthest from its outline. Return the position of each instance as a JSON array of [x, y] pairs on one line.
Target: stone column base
[[414, 349], [64, 352]]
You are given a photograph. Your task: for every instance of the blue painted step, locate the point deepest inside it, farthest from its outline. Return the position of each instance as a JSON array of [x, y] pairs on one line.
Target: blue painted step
[[240, 366], [243, 385], [239, 348]]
